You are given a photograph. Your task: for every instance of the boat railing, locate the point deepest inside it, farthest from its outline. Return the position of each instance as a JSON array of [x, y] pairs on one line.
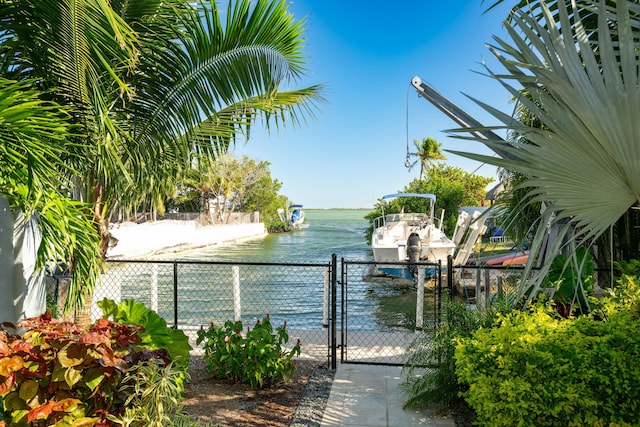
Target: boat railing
[[409, 218]]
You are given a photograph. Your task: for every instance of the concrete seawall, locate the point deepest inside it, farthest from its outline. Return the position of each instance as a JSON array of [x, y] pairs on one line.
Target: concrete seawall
[[149, 238]]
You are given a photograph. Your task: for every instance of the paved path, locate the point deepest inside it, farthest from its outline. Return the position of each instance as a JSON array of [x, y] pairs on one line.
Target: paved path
[[369, 396]]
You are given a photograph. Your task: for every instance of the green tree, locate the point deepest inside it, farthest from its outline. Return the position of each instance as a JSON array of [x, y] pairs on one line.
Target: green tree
[[151, 83], [454, 188], [427, 151], [265, 198], [228, 181]]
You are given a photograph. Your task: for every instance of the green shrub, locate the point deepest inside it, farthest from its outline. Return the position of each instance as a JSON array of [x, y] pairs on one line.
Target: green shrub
[[256, 358], [430, 375], [535, 369], [156, 333], [153, 391]]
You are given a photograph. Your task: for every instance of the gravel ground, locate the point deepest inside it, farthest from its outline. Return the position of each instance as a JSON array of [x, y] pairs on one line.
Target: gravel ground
[[314, 399]]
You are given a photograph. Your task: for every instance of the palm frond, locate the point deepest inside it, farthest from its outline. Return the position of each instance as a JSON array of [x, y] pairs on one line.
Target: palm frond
[[210, 66], [583, 164]]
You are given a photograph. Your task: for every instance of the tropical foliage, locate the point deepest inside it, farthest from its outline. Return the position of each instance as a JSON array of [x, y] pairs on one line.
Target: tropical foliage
[[430, 369], [36, 144], [256, 356], [427, 151], [584, 88], [146, 85], [230, 183], [549, 371], [63, 374]]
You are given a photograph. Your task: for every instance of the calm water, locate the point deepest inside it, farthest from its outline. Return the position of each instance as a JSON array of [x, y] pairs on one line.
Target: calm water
[[327, 232], [372, 305]]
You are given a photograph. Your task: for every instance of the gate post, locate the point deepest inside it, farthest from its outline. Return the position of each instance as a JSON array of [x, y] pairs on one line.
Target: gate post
[[334, 311], [450, 276], [175, 295]]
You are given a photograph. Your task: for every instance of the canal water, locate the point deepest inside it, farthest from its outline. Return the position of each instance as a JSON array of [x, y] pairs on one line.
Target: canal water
[[373, 305], [339, 231]]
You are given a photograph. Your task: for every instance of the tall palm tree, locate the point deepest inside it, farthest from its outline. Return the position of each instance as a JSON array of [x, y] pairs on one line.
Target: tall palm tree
[[152, 82], [583, 162], [427, 151]]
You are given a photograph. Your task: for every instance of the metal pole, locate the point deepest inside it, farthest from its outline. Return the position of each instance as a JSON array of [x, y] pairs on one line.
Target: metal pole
[[478, 290], [334, 310], [450, 276], [175, 295], [325, 305], [154, 287], [487, 288], [237, 305], [439, 284], [420, 301]]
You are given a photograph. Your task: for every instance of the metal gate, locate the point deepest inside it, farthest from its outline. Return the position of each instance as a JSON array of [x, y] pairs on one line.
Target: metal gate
[[379, 315]]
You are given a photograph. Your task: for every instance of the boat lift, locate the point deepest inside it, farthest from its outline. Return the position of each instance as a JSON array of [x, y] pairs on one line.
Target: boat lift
[[463, 119], [459, 116]]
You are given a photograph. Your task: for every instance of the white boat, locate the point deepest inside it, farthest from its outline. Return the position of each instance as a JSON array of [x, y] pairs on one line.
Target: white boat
[[409, 237], [294, 216]]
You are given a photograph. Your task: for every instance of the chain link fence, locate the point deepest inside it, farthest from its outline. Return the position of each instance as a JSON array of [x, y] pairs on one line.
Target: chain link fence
[[192, 294], [359, 313]]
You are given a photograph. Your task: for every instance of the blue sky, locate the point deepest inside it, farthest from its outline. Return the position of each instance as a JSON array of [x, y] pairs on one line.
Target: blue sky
[[365, 54]]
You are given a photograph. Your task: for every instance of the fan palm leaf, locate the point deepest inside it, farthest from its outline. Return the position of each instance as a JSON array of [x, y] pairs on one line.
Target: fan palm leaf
[[583, 163]]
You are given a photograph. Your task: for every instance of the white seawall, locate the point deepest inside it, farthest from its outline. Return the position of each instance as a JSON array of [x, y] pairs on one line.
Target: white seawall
[[141, 240]]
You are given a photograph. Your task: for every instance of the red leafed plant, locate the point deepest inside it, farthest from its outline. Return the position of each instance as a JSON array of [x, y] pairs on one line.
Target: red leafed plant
[[63, 374]]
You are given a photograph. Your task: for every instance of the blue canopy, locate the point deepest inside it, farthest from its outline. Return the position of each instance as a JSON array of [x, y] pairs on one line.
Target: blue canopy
[[423, 195]]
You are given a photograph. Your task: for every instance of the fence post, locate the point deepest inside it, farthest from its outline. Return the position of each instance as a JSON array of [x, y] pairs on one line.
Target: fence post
[[420, 300], [334, 310], [450, 276], [478, 288], [487, 287], [237, 306], [154, 287], [175, 294], [439, 290], [325, 306]]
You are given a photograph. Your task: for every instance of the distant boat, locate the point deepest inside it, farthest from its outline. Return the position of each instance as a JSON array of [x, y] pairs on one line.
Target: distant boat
[[293, 217], [296, 216], [409, 237]]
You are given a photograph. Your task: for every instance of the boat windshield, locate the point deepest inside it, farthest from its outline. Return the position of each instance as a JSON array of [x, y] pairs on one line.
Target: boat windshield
[[409, 218]]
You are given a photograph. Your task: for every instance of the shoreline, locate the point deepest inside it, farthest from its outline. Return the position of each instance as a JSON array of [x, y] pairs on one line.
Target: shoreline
[[136, 241]]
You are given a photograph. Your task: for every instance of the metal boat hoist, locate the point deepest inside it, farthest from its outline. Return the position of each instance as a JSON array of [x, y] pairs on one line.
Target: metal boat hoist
[[475, 128]]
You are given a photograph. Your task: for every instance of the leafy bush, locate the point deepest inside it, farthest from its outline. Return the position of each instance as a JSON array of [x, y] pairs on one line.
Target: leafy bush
[[153, 393], [63, 374], [156, 333], [571, 285], [536, 369], [257, 357], [430, 375]]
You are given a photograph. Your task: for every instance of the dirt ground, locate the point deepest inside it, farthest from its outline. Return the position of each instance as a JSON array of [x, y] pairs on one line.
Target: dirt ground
[[227, 404]]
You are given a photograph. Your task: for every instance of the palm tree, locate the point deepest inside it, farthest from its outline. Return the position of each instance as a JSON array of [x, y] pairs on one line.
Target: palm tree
[[34, 136], [152, 83], [427, 151], [583, 162]]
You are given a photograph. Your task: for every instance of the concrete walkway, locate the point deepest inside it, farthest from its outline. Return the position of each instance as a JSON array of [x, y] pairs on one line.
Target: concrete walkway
[[369, 396]]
